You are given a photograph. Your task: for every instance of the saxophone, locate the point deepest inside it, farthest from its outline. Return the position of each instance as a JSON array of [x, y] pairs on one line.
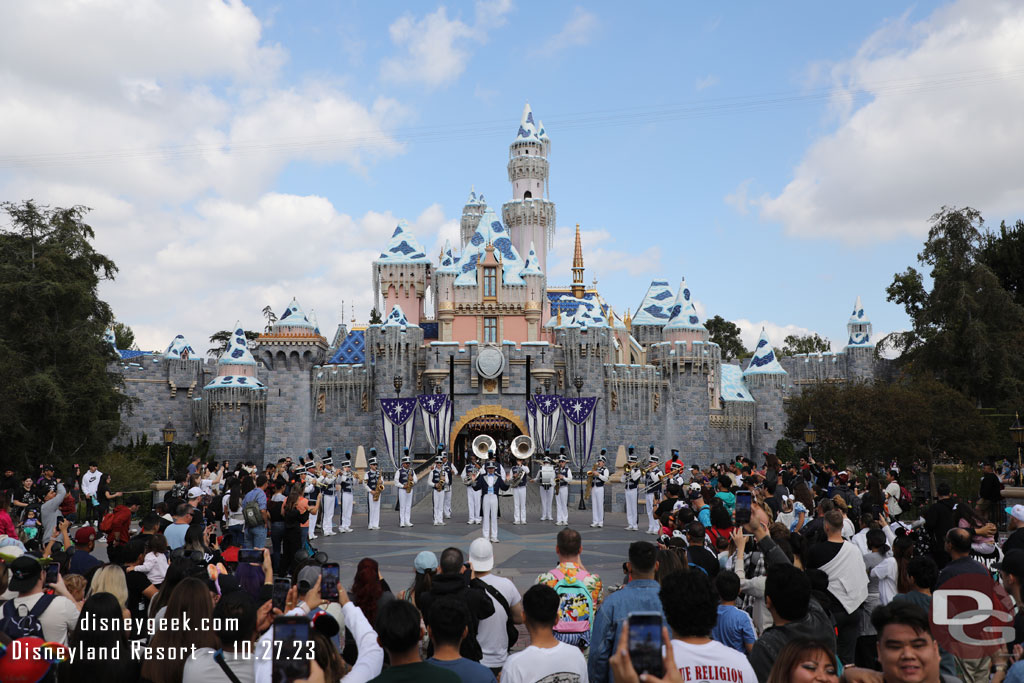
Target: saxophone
[[590, 482], [379, 488], [439, 486], [558, 482], [409, 483]]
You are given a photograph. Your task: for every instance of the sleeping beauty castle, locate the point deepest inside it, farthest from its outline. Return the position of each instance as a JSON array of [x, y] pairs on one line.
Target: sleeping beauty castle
[[504, 352]]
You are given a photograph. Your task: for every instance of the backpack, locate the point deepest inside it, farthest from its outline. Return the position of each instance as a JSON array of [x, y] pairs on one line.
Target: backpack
[[575, 606], [107, 523], [510, 628], [252, 514], [905, 499], [18, 625]]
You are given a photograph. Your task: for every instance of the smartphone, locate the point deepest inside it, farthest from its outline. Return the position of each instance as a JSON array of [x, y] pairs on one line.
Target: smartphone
[[742, 507], [292, 649], [52, 572], [645, 643], [282, 584], [329, 574], [253, 555]]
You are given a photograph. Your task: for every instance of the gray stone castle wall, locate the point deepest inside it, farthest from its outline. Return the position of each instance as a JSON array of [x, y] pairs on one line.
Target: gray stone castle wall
[[160, 390]]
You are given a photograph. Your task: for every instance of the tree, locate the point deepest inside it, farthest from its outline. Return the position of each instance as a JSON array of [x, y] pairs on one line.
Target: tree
[[220, 340], [967, 330], [727, 335], [1003, 253], [271, 317], [808, 343], [124, 337], [375, 318], [60, 402]]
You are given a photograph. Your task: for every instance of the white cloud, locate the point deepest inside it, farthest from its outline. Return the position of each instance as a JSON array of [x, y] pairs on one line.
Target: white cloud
[[750, 332], [436, 48], [578, 30], [706, 82], [940, 117], [600, 256], [739, 199]]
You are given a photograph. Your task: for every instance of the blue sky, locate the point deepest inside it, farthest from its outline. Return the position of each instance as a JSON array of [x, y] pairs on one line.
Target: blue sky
[[783, 158]]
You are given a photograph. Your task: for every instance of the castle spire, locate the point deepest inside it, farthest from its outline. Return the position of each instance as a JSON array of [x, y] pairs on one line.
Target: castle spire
[[577, 267]]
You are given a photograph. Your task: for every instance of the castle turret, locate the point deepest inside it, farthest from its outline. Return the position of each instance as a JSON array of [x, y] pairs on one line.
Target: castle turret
[[578, 288], [236, 402], [860, 347], [535, 294], [471, 212], [683, 322], [766, 379], [530, 216], [654, 313], [403, 273]]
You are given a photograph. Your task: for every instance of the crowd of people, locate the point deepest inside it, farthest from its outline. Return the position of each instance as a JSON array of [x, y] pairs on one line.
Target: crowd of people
[[756, 571]]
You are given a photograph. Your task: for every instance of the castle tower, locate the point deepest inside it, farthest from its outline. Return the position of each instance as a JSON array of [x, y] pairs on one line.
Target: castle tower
[[236, 402], [860, 349], [766, 379], [403, 273], [535, 294], [530, 216], [653, 314], [577, 267], [683, 322], [471, 212]]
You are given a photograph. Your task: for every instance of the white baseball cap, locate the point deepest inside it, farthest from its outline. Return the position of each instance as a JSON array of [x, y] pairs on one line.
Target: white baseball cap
[[481, 555], [195, 492], [1017, 512]]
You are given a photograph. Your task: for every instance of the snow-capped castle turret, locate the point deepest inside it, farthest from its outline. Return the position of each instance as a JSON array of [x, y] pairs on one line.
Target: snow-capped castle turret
[[530, 216], [860, 346], [471, 212], [402, 273]]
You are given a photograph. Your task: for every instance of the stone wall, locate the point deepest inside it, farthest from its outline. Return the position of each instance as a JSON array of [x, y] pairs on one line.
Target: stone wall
[[162, 392]]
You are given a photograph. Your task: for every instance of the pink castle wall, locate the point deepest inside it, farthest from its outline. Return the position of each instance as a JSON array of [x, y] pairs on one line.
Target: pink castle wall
[[515, 329], [406, 298]]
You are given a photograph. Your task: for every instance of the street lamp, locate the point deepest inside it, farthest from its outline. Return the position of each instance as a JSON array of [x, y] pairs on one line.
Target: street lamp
[[1017, 434], [578, 383], [169, 434], [810, 435], [398, 385]]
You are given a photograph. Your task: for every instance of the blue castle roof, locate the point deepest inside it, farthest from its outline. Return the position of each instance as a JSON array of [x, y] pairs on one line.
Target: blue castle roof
[[490, 231], [449, 261], [733, 387], [396, 318], [655, 308], [179, 346], [294, 317], [532, 264], [764, 361], [683, 315], [352, 350], [577, 312], [403, 247], [237, 351]]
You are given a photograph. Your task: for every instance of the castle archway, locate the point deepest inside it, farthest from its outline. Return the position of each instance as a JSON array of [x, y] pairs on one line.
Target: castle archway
[[501, 424]]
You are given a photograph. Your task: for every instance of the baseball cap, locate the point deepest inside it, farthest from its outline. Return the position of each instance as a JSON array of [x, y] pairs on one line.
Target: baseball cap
[[84, 535], [25, 572], [307, 577], [424, 562], [195, 492], [481, 555], [1017, 512], [1013, 563], [32, 665]]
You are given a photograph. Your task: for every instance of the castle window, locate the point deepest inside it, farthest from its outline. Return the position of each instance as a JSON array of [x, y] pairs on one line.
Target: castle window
[[490, 282], [490, 330], [527, 195]]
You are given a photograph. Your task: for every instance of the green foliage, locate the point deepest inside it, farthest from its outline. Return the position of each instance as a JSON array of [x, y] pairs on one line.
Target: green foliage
[[784, 450], [1003, 253], [124, 337], [220, 341], [375, 318], [271, 317], [127, 472], [809, 343], [727, 335], [967, 330], [60, 403], [873, 424]]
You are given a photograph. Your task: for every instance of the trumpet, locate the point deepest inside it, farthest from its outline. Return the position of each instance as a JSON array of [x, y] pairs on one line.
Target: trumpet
[[649, 468], [379, 488]]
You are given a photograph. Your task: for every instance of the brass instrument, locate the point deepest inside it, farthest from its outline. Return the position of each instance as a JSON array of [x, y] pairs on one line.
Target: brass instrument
[[379, 488], [439, 486], [409, 483], [558, 481], [519, 477], [649, 468], [590, 481]]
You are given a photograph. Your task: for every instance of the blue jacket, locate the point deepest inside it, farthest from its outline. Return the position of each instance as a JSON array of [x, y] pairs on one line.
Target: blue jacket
[[636, 596]]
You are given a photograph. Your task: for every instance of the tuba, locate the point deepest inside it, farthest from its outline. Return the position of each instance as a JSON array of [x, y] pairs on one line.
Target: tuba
[[522, 447], [482, 445]]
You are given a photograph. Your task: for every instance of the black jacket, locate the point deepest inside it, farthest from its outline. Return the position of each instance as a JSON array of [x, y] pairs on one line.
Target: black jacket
[[476, 600], [939, 519]]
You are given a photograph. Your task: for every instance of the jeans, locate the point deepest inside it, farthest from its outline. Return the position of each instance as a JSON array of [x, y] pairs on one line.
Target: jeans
[[847, 629], [256, 537], [236, 533], [276, 539]]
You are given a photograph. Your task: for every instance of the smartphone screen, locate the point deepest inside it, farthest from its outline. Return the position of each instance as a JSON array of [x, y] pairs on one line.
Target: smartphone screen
[[292, 649], [52, 571], [742, 507], [254, 555], [645, 643], [329, 581], [282, 584]]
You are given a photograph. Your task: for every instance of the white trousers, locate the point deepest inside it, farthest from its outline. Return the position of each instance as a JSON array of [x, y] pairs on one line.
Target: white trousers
[[490, 516], [473, 503], [448, 502], [652, 523], [631, 498], [562, 505], [519, 503], [328, 513], [312, 524], [404, 506], [597, 504], [346, 510], [438, 499], [374, 509], [547, 494]]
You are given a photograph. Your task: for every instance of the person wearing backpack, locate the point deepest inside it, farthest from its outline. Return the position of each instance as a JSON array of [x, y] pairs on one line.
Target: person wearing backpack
[[496, 633], [255, 515], [892, 494], [579, 591], [33, 612]]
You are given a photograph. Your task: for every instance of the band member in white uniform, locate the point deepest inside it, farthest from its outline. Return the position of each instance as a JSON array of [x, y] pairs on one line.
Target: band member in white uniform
[[438, 479], [469, 477], [520, 475], [346, 482], [631, 479], [312, 491], [547, 491], [488, 485], [328, 477], [563, 474], [450, 470], [652, 493], [373, 477], [597, 492], [405, 475]]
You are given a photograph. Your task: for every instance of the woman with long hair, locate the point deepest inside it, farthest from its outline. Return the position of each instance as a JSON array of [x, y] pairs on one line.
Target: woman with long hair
[[369, 589], [111, 659], [110, 579], [175, 574], [873, 500], [805, 661], [668, 562], [105, 496], [231, 503], [294, 514], [190, 599], [275, 507], [721, 523]]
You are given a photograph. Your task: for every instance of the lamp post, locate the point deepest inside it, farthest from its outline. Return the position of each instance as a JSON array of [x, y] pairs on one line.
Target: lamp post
[[577, 382], [169, 434], [810, 436], [398, 385], [1017, 434]]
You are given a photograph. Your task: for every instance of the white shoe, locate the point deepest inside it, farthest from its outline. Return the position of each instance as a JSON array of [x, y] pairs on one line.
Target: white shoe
[[312, 537], [409, 524], [495, 540]]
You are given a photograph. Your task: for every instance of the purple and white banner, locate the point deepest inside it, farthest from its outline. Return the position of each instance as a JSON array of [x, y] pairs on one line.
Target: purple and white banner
[[436, 411], [542, 413], [580, 419], [397, 414]]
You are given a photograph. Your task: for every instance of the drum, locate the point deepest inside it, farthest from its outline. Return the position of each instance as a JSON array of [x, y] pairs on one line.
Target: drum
[[547, 475]]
